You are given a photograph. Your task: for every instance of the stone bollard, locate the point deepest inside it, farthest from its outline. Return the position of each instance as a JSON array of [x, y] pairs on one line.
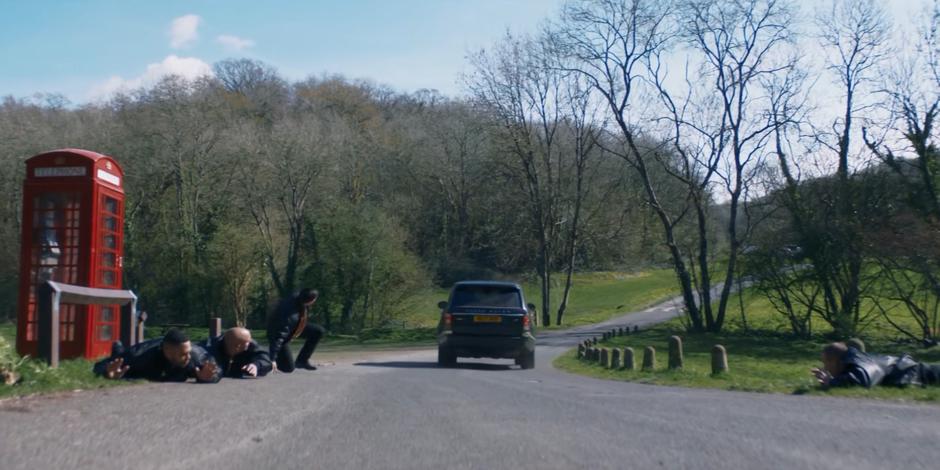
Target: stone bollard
[[615, 359], [605, 357], [594, 341], [675, 352], [856, 343], [636, 328], [141, 322], [620, 331], [719, 359], [594, 354], [628, 362], [215, 327], [580, 351], [649, 358]]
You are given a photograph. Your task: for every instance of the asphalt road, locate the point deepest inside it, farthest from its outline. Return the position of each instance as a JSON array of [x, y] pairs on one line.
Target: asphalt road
[[397, 410]]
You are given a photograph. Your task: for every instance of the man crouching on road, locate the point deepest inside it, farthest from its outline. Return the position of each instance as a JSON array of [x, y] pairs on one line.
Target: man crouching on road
[[237, 356], [288, 321], [845, 366], [170, 359]]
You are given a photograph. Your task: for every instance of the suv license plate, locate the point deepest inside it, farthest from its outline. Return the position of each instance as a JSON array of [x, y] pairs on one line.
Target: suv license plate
[[487, 319]]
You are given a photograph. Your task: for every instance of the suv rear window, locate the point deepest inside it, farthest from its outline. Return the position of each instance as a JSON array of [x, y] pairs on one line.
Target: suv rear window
[[486, 296]]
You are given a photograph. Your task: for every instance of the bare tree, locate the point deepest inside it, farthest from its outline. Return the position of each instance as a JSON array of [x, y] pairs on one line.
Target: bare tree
[[740, 44], [277, 189], [855, 36], [610, 43], [585, 127], [252, 88], [517, 83], [909, 261], [174, 132], [236, 261]]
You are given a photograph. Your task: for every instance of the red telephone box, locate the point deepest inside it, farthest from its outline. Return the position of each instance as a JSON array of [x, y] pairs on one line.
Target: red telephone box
[[73, 233]]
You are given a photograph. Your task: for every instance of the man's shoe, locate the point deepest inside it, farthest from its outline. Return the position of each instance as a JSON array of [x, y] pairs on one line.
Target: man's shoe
[[306, 365]]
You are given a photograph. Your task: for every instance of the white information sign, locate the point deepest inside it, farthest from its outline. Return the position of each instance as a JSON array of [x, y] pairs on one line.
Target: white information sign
[[113, 179]]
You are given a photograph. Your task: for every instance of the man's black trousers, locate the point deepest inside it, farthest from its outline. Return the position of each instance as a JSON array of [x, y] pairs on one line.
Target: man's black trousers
[[285, 359], [930, 374]]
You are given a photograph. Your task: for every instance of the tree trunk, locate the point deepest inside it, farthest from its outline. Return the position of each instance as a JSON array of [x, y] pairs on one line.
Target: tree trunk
[[733, 244], [704, 273], [545, 276], [572, 243], [685, 279]]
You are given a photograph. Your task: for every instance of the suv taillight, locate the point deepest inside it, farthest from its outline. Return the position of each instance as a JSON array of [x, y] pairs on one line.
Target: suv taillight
[[448, 321], [526, 323]]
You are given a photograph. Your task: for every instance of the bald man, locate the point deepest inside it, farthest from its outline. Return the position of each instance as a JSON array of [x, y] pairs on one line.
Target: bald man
[[845, 366], [237, 355]]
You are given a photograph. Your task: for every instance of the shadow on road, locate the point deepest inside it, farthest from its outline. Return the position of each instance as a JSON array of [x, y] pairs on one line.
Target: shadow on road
[[433, 365]]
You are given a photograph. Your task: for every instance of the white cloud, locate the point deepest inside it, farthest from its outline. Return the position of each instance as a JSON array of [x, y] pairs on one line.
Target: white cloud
[[184, 31], [189, 68], [234, 43]]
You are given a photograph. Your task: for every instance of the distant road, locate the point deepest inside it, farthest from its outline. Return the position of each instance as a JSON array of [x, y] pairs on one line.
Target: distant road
[[397, 410]]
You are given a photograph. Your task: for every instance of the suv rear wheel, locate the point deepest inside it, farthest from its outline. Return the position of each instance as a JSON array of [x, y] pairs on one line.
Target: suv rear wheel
[[526, 360], [446, 358]]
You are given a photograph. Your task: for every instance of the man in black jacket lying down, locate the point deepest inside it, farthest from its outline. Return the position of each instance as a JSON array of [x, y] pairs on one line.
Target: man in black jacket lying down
[[845, 366], [237, 355], [172, 358]]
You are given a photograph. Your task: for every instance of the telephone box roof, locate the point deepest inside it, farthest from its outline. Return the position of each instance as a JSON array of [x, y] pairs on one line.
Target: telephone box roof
[[94, 156]]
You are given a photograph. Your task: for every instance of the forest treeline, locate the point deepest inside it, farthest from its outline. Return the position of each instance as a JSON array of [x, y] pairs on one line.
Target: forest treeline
[[243, 186], [745, 142]]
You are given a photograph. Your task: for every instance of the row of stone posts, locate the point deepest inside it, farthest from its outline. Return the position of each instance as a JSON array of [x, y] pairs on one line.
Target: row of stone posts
[[624, 359], [615, 332]]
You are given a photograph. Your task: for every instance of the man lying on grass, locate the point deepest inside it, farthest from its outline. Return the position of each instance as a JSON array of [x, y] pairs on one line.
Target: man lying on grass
[[844, 366], [169, 359]]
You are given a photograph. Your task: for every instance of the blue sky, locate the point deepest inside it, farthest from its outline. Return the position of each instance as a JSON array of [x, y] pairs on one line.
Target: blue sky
[[88, 49], [85, 50]]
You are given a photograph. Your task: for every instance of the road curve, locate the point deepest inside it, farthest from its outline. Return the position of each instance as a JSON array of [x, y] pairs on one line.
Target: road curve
[[399, 411]]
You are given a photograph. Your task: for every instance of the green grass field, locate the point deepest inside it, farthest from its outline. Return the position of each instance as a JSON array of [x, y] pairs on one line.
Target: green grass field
[[764, 358], [595, 297]]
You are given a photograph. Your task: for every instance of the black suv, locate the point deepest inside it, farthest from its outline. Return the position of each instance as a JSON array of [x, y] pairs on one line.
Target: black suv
[[486, 319]]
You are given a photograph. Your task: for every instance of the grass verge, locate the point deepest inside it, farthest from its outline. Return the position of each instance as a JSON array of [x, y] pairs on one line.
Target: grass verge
[[761, 359], [600, 296], [33, 376]]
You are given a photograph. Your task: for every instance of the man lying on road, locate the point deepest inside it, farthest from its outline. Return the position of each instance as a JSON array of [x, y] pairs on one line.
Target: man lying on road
[[237, 355], [845, 366], [172, 358]]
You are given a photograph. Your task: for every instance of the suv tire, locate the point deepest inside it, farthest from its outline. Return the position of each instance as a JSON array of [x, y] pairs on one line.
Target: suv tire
[[446, 358], [527, 360]]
